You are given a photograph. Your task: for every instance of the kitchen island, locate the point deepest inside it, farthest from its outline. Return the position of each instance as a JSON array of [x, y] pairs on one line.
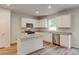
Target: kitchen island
[[29, 43]]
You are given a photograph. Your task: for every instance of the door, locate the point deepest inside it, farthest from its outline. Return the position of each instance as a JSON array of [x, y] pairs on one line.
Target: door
[[4, 32]]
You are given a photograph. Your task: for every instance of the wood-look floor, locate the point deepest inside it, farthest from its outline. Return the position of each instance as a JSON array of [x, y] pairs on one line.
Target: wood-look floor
[[8, 51], [48, 49]]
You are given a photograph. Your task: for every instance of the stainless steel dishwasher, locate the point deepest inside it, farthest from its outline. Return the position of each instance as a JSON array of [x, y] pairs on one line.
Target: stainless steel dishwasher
[[56, 38]]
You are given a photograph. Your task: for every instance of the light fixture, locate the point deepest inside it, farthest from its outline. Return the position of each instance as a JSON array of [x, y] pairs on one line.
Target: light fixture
[[49, 6], [37, 12]]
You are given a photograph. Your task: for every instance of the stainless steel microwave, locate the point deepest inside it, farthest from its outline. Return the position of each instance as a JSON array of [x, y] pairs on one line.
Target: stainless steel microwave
[[29, 25]]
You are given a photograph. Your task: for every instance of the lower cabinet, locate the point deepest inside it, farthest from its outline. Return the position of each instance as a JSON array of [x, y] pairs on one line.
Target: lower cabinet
[[46, 36], [65, 40]]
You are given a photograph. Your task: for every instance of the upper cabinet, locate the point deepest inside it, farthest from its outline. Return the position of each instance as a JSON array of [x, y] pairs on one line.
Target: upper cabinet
[[29, 20], [37, 23], [43, 23], [64, 21]]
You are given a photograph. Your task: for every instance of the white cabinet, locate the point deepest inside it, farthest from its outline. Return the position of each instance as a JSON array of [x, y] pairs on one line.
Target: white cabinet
[[64, 20], [65, 40], [29, 20], [43, 23], [37, 23], [46, 36]]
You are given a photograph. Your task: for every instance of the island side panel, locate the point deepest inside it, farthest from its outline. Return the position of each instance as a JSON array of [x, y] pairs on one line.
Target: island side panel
[[28, 45]]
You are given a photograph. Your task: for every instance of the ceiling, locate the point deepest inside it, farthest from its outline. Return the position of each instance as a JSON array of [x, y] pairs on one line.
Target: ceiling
[[42, 8]]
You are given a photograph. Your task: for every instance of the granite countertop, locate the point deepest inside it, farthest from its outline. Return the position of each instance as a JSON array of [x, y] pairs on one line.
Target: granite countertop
[[28, 36], [63, 33], [58, 32]]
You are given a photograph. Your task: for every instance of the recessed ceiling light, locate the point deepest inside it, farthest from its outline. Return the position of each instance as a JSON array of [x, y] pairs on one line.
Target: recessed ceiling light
[[37, 12], [49, 6]]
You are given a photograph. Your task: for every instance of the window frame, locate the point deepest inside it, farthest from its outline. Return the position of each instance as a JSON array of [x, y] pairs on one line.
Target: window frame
[[49, 26]]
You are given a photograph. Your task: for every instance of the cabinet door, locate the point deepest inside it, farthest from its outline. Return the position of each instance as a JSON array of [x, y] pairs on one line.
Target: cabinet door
[[43, 23], [64, 20], [25, 46], [37, 43], [65, 40], [46, 36], [59, 21], [36, 23]]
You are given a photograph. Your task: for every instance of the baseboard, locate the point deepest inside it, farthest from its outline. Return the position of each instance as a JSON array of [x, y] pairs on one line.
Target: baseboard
[[7, 46], [13, 42], [74, 47]]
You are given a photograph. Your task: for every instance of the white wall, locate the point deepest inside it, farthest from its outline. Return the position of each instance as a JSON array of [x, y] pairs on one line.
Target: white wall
[[75, 27], [16, 24]]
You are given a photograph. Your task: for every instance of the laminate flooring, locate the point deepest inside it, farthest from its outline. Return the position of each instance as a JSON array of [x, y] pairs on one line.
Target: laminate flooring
[[9, 51], [49, 49]]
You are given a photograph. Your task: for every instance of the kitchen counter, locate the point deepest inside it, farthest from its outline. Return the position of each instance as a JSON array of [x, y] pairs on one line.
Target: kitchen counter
[[58, 32], [64, 33], [27, 36], [29, 43]]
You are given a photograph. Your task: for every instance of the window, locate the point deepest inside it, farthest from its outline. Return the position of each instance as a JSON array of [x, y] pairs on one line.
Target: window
[[52, 24]]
